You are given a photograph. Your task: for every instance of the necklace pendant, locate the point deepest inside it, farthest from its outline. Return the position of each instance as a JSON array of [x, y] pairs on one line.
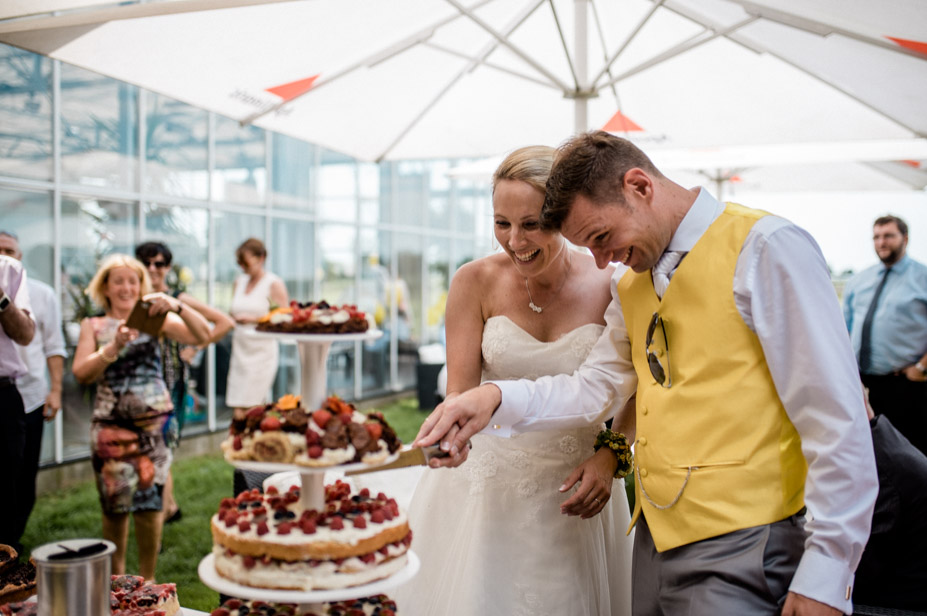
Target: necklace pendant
[[535, 307]]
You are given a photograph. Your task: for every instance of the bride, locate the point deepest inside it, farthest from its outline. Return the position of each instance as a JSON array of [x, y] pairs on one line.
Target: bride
[[492, 535]]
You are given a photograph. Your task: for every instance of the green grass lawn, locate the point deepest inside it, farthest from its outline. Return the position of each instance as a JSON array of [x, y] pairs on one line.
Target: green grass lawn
[[200, 483]]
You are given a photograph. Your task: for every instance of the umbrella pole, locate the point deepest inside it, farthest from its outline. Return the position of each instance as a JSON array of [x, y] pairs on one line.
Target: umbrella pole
[[580, 31]]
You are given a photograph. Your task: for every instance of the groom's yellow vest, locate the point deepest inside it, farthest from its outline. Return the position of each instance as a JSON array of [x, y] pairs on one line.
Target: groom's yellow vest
[[718, 439]]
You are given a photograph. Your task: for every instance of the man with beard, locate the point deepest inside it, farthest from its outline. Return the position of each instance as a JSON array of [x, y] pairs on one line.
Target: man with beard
[[886, 312]]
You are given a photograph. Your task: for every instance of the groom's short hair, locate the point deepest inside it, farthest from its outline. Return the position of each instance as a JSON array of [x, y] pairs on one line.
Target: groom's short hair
[[591, 164]]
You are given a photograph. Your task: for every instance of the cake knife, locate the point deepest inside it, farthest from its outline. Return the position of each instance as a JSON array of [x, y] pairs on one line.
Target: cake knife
[[408, 456]]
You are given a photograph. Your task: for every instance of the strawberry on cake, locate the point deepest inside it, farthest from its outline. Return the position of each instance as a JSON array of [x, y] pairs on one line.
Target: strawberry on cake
[[314, 318], [269, 541], [288, 433]]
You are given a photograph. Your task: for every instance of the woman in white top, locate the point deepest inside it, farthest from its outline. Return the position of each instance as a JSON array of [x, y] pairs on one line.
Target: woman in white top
[[253, 364]]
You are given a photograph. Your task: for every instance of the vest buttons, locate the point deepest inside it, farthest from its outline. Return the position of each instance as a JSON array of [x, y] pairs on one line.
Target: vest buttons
[[643, 472], [644, 410], [642, 440]]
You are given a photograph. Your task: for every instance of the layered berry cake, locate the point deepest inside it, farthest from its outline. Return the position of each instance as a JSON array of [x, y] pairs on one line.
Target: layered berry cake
[[288, 433], [269, 541], [314, 318], [379, 605]]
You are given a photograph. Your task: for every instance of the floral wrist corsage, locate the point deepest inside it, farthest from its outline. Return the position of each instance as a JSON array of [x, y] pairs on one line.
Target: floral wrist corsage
[[618, 443]]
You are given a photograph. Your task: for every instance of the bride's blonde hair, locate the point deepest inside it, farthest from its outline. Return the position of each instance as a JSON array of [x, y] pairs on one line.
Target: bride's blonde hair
[[530, 164]]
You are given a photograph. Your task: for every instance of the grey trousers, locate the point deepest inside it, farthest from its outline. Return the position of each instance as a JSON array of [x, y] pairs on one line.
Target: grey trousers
[[743, 573]]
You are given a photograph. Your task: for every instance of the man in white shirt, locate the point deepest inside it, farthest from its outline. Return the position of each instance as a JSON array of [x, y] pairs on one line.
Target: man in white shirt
[[748, 399], [41, 396], [16, 328]]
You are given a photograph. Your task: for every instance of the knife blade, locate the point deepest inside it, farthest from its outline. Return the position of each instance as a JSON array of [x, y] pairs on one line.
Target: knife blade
[[412, 456]]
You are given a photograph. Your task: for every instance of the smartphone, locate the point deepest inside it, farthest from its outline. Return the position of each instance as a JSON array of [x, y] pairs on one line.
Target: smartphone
[[140, 320]]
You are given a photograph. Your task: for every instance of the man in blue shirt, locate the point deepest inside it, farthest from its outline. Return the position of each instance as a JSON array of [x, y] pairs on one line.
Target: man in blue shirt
[[886, 312]]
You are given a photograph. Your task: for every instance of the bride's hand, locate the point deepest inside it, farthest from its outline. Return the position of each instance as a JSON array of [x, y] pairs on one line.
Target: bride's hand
[[595, 476]]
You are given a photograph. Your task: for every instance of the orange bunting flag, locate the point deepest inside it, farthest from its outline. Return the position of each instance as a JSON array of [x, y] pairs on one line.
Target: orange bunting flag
[[289, 91], [620, 123], [918, 46]]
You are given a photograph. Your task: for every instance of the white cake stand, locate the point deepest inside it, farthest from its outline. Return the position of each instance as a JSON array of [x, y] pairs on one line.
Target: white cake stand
[[306, 599], [312, 478], [313, 358], [313, 381]]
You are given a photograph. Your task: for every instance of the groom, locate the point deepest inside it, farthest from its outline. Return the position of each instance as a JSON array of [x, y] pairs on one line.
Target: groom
[[749, 405]]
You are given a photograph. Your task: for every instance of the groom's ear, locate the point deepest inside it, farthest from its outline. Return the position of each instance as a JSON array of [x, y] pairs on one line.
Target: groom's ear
[[637, 183]]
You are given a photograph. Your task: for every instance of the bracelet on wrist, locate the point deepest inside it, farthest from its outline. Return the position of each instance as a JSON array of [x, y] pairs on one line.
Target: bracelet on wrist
[[618, 443], [179, 306], [106, 357]]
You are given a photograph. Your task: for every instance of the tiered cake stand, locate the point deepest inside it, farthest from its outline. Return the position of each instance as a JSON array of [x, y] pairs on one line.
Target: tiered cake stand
[[313, 356]]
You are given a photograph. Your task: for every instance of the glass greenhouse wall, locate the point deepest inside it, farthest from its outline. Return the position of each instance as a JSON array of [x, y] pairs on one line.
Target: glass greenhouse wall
[[91, 166]]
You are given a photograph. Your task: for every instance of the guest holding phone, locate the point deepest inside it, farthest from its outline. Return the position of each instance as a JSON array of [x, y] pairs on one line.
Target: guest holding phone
[[157, 259], [132, 403]]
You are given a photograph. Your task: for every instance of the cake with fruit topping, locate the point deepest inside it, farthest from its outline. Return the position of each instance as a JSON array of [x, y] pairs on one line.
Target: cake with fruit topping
[[17, 579], [20, 608], [286, 432], [131, 595], [314, 318], [378, 605], [269, 541]]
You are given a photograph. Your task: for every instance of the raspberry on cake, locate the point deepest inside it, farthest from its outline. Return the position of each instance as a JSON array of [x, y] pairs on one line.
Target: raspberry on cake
[[286, 432], [314, 318], [270, 541]]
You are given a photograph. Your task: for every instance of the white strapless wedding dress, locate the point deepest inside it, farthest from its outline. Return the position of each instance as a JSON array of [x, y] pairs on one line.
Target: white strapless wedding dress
[[490, 534]]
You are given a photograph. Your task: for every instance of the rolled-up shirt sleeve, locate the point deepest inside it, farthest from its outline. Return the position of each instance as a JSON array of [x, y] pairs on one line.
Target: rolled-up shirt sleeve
[[786, 296], [52, 333], [594, 392]]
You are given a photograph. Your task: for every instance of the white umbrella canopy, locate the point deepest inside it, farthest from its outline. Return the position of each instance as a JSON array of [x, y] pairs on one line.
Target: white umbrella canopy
[[471, 78]]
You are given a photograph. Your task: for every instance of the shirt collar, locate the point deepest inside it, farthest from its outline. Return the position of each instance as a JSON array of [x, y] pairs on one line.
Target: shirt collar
[[899, 266], [704, 211]]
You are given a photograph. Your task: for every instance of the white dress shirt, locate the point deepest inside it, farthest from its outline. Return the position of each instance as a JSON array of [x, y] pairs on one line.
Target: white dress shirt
[[47, 342], [13, 282], [783, 291]]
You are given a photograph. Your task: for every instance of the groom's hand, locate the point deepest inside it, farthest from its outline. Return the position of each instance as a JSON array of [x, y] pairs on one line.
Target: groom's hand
[[800, 605], [455, 420]]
